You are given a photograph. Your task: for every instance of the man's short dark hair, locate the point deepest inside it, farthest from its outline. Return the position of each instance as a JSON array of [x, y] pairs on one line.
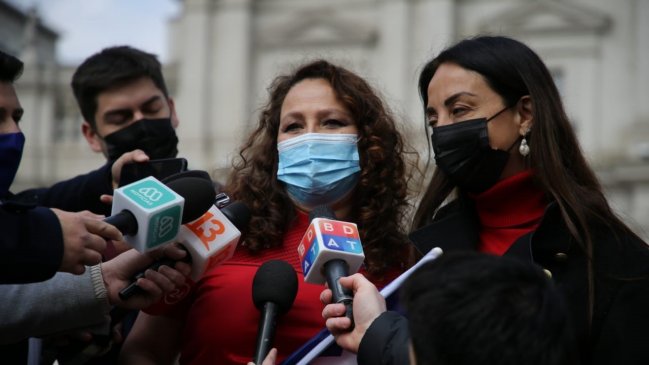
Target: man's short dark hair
[[471, 308], [10, 68], [112, 67]]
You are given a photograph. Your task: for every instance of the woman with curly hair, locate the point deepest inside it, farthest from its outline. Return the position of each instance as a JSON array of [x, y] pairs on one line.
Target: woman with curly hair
[[323, 138]]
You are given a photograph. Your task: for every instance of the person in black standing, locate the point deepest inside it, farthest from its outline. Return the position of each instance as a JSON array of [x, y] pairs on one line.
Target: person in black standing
[[517, 185]]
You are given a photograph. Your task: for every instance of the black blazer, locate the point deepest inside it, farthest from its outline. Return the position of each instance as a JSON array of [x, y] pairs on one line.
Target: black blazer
[[79, 193], [31, 243], [619, 333]]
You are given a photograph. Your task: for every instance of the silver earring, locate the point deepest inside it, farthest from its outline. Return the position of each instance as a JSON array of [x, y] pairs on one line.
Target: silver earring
[[524, 149]]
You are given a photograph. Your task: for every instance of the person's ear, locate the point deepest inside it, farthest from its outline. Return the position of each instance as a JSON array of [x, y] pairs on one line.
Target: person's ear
[[525, 109], [94, 141], [172, 108]]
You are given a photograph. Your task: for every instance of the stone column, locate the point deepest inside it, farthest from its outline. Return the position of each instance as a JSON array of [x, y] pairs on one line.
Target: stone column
[[229, 80], [192, 58]]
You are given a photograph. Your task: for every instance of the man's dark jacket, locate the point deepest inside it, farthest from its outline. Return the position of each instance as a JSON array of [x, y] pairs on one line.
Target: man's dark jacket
[[76, 194]]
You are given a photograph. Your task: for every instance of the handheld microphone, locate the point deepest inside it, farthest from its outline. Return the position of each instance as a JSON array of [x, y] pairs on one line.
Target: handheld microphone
[[329, 250], [197, 191], [274, 288], [149, 212], [209, 240], [212, 238]]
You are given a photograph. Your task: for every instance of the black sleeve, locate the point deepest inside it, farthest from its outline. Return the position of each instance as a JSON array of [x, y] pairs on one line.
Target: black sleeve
[[31, 245], [620, 325], [624, 334], [386, 341], [74, 195]]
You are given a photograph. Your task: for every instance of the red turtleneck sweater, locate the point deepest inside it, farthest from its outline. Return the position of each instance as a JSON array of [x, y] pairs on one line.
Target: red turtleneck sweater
[[508, 210]]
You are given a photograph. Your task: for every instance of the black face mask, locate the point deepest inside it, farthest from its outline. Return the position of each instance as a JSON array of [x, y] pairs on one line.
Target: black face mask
[[156, 137], [462, 151]]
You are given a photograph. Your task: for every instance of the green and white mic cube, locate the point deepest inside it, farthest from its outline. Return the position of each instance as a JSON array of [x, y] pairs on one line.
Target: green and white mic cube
[[157, 209]]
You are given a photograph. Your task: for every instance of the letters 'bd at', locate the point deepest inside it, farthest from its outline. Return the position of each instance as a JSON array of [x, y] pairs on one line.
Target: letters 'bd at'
[[325, 240]]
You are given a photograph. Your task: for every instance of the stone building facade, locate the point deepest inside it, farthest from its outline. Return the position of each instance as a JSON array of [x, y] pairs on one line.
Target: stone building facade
[[224, 53]]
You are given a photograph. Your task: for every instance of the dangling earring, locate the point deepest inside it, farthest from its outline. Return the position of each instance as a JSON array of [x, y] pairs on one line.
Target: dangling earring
[[524, 149]]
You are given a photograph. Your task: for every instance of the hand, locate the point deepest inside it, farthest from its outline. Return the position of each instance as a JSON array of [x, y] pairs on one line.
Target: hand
[[114, 248], [106, 199], [118, 272], [368, 304], [134, 156], [76, 345], [84, 239], [270, 358], [67, 338]]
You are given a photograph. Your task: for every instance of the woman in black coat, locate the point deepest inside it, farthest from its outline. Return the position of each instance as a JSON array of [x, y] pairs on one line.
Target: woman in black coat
[[562, 220], [518, 184]]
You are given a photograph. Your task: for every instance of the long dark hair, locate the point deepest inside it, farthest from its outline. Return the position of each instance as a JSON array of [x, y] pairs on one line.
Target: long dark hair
[[379, 202], [513, 70]]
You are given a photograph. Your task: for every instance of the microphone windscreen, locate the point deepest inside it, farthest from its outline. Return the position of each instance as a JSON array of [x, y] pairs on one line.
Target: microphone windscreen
[[199, 196], [189, 173], [322, 211], [238, 213], [276, 282]]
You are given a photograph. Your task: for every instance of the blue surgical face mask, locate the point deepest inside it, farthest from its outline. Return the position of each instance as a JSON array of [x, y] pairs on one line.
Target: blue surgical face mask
[[11, 151], [318, 168]]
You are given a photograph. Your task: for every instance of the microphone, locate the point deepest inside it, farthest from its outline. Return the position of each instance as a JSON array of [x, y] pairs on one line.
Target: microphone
[[149, 213], [274, 288], [195, 189], [209, 240], [329, 250], [212, 238]]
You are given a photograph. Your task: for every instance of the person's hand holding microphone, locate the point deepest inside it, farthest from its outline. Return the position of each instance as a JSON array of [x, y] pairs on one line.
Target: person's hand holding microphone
[[84, 239], [368, 304]]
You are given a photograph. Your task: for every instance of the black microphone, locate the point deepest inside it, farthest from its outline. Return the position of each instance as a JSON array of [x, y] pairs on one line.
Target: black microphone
[[274, 288]]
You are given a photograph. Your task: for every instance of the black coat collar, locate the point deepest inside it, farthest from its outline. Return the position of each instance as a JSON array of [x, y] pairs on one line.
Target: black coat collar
[[456, 228]]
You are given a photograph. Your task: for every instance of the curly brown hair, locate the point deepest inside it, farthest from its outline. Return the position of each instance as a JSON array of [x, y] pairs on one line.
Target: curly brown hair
[[380, 199]]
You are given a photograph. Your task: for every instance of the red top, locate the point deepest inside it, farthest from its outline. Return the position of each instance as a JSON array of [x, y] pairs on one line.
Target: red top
[[222, 322], [508, 210]]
